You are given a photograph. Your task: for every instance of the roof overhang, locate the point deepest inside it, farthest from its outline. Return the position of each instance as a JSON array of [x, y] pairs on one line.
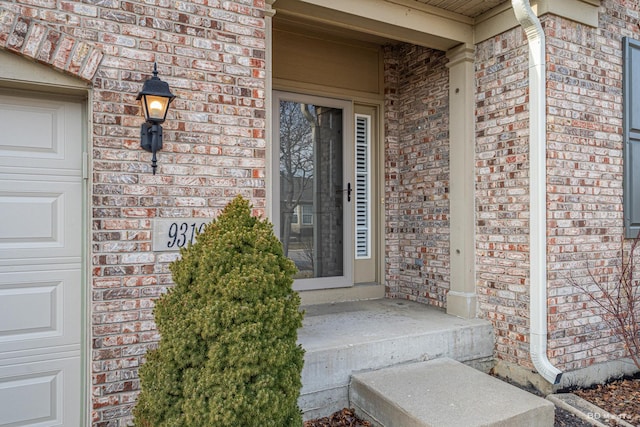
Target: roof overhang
[[416, 22]]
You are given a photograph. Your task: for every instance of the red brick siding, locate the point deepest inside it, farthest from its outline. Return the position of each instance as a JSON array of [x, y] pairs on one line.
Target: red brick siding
[[213, 57], [417, 174], [391, 172], [584, 182], [502, 195]]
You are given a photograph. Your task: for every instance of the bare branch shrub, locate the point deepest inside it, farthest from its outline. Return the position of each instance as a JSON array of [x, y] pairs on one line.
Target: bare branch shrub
[[619, 299]]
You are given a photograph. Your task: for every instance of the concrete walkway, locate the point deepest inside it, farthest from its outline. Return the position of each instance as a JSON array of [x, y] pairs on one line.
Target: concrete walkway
[[346, 338], [444, 393]]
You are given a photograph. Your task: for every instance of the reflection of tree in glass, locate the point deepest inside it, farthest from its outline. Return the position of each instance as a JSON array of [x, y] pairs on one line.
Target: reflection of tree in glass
[[297, 133]]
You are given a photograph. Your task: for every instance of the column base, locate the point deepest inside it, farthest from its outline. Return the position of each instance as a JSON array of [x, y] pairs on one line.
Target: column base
[[462, 304]]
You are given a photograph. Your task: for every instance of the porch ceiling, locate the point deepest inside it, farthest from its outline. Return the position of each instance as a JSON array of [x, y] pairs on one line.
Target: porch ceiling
[[470, 8], [438, 24]]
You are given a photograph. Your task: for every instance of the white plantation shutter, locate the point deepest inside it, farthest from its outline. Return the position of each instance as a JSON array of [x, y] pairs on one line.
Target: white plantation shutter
[[363, 186]]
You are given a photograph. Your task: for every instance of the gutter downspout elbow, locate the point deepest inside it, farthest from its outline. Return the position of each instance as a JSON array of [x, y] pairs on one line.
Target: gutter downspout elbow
[[537, 191]]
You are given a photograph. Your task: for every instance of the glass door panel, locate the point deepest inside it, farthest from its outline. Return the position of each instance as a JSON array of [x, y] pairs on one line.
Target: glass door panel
[[312, 193], [311, 186]]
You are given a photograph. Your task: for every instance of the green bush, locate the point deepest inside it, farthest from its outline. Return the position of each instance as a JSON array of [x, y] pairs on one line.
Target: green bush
[[228, 354]]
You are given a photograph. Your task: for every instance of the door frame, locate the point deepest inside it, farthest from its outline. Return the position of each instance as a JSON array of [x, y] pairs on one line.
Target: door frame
[[346, 280]]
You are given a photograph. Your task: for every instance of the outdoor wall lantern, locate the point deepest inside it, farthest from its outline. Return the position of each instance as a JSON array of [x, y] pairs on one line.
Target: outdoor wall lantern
[[156, 97]]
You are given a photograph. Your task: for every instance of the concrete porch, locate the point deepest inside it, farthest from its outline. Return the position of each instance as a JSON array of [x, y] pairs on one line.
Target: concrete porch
[[345, 338]]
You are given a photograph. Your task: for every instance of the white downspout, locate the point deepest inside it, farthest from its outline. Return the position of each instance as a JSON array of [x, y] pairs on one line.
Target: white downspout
[[537, 191]]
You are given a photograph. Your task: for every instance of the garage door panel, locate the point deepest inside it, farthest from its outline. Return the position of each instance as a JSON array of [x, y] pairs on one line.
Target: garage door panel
[[41, 219], [41, 235], [31, 219], [40, 394], [39, 300], [39, 309], [36, 133], [43, 139]]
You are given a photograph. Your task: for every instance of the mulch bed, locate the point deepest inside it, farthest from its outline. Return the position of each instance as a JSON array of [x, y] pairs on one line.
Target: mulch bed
[[344, 418], [568, 419], [620, 398], [347, 418]]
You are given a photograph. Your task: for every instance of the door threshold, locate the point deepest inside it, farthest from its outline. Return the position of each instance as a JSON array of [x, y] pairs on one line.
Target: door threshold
[[360, 291]]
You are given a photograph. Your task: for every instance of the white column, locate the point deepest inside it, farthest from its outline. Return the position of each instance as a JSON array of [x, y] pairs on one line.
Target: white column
[[461, 299]]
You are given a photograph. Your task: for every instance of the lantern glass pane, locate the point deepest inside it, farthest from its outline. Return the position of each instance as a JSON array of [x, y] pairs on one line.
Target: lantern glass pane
[[155, 107]]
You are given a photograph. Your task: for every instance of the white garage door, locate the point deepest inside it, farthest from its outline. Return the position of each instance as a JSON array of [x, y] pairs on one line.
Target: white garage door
[[40, 261]]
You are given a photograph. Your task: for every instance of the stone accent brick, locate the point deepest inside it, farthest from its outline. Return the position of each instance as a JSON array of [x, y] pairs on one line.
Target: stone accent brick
[[36, 40], [417, 174]]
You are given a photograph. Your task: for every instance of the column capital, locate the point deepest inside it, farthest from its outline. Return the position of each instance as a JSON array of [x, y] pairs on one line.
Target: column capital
[[464, 52], [269, 11]]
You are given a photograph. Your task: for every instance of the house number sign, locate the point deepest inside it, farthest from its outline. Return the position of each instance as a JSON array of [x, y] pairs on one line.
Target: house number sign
[[171, 234]]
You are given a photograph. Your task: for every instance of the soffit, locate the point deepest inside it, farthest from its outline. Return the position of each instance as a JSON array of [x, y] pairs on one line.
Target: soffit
[[383, 21], [437, 24], [468, 8]]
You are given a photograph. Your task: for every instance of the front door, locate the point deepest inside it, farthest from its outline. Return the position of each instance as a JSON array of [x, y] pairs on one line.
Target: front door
[[324, 187], [314, 189]]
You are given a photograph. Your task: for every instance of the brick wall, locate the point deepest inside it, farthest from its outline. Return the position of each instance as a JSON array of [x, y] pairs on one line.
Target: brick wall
[[502, 196], [584, 177], [417, 174], [502, 200], [213, 57], [391, 171], [584, 182]]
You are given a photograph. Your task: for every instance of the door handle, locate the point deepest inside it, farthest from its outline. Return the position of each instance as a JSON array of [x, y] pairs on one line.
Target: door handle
[[346, 190]]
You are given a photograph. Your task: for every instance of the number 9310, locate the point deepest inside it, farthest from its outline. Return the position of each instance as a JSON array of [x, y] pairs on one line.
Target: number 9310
[[182, 233]]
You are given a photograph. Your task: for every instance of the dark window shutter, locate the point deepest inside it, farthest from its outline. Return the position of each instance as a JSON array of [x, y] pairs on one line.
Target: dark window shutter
[[631, 134]]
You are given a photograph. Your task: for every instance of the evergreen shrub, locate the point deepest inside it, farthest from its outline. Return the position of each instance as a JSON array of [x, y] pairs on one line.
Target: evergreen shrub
[[228, 353]]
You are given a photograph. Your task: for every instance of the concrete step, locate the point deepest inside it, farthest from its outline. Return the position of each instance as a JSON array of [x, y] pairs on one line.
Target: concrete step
[[442, 393], [343, 338]]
